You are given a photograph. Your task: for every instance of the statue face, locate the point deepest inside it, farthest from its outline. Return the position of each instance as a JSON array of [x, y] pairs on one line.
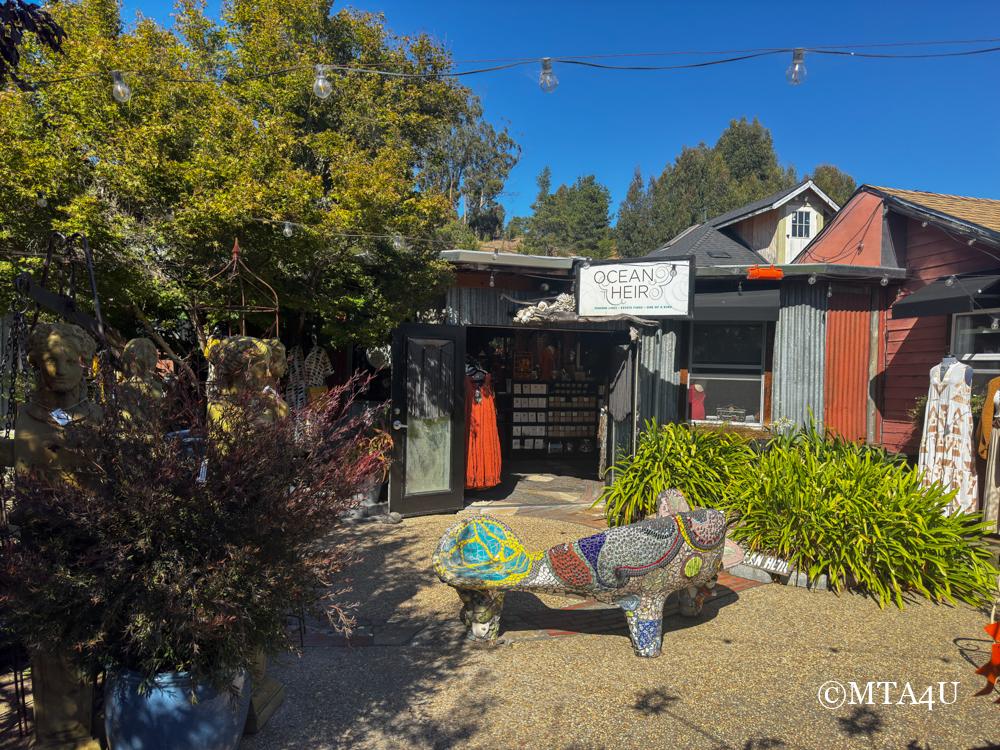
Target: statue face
[[59, 366], [259, 372]]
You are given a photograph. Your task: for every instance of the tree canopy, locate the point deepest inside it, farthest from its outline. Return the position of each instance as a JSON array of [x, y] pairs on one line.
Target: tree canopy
[[337, 203], [573, 220], [705, 181], [840, 186]]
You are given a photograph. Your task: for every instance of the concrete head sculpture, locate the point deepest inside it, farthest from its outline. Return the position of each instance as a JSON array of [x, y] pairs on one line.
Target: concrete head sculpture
[[245, 366]]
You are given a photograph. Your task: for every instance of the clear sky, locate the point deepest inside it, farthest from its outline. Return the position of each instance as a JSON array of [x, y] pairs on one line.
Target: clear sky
[[919, 124]]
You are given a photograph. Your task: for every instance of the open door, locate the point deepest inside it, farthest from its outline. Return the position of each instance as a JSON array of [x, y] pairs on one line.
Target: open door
[[428, 419]]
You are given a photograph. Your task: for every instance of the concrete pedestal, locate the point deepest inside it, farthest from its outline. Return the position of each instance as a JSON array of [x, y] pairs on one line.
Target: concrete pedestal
[[267, 695], [63, 702]]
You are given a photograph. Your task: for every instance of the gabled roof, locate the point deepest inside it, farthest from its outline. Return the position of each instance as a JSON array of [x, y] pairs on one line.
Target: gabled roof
[[769, 203], [710, 247], [981, 212]]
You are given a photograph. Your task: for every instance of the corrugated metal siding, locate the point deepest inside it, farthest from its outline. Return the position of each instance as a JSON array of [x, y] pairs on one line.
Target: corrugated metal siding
[[483, 307], [659, 375], [848, 337], [799, 353]]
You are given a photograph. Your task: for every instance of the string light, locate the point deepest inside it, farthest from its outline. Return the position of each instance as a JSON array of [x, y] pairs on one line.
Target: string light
[[288, 230], [41, 201], [812, 279], [322, 87], [547, 80], [829, 291], [884, 281], [796, 72], [119, 89], [950, 281], [493, 281]]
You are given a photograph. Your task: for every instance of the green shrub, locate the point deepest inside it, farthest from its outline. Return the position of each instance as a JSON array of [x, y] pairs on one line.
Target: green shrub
[[700, 463], [861, 516], [827, 505]]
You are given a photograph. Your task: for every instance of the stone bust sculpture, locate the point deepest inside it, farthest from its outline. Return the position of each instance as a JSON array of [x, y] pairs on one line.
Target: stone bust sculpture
[[60, 354], [139, 387], [245, 366]]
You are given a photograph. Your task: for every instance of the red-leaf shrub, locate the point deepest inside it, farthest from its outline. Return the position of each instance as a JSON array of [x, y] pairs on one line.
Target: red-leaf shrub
[[141, 563]]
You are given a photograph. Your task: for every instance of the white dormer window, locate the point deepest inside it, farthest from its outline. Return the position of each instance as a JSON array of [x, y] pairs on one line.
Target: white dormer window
[[800, 224]]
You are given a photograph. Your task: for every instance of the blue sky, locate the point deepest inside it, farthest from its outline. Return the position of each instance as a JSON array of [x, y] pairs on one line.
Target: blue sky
[[918, 124]]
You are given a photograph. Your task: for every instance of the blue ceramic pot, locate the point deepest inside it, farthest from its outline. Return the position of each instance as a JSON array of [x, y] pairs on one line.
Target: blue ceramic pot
[[164, 718]]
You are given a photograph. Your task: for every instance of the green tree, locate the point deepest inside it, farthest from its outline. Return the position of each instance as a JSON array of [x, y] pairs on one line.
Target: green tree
[[634, 234], [704, 182], [840, 186], [164, 183], [470, 163], [571, 221]]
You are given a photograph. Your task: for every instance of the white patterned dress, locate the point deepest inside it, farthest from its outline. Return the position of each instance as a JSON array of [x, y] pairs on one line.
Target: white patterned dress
[[946, 452]]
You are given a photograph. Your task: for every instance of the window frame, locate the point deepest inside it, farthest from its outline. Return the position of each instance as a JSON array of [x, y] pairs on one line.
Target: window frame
[[729, 372], [801, 221], [985, 362]]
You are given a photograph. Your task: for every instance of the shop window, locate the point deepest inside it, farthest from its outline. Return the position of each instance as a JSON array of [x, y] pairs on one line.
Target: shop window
[[800, 224], [975, 340], [726, 377]]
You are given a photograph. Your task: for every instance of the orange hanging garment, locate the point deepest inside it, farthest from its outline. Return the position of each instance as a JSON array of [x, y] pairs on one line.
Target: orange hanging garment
[[482, 445]]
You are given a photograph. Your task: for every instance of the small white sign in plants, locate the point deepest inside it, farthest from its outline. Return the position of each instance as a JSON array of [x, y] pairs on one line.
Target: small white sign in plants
[[768, 563]]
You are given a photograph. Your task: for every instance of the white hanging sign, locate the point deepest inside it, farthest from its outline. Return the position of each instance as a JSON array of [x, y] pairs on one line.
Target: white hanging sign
[[650, 289]]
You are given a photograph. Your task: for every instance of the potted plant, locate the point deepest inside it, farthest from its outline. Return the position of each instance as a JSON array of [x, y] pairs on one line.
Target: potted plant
[[173, 569]]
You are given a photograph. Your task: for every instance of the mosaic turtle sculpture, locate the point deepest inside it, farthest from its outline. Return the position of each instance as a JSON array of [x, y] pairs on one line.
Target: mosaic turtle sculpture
[[635, 566]]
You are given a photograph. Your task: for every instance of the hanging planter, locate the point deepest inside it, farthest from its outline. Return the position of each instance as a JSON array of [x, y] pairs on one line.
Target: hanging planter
[[174, 712]]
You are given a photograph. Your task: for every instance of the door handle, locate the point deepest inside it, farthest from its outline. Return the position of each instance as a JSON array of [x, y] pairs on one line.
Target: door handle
[[397, 425]]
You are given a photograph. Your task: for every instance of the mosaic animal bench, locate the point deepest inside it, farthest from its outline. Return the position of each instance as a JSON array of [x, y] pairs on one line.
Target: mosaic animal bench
[[635, 566]]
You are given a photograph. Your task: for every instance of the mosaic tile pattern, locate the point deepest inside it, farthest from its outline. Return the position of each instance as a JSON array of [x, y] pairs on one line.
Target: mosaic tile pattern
[[634, 566]]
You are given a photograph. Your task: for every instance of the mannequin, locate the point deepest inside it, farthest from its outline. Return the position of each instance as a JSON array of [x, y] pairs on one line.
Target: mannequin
[[946, 446], [988, 444], [59, 353], [697, 398]]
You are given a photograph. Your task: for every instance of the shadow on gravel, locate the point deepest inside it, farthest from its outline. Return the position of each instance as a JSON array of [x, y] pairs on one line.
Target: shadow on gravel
[[339, 697]]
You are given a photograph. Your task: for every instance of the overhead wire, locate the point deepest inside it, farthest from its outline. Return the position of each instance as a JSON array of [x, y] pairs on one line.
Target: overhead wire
[[500, 64]]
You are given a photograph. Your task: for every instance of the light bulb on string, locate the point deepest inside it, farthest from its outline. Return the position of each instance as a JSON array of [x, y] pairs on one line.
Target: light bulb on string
[[547, 80], [493, 282], [398, 243], [288, 230], [995, 324], [950, 281], [829, 291], [812, 279], [884, 281], [796, 72], [322, 87], [119, 89], [41, 201]]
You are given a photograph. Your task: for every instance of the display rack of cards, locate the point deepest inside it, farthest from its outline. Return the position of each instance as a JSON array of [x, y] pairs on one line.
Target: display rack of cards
[[555, 417]]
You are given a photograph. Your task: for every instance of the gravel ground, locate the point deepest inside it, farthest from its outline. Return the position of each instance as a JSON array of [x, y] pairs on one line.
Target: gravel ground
[[744, 675]]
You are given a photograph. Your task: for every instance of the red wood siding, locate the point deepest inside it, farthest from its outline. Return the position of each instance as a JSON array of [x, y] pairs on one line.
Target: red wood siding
[[848, 334], [853, 237], [914, 345]]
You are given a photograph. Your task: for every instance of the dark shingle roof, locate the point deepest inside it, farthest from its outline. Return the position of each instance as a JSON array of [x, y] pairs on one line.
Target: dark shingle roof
[[757, 205], [710, 247]]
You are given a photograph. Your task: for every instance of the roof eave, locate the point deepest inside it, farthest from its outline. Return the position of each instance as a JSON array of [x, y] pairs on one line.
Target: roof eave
[[945, 221]]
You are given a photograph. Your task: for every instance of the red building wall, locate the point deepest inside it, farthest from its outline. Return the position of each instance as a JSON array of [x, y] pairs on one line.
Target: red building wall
[[914, 345], [853, 237], [908, 347]]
